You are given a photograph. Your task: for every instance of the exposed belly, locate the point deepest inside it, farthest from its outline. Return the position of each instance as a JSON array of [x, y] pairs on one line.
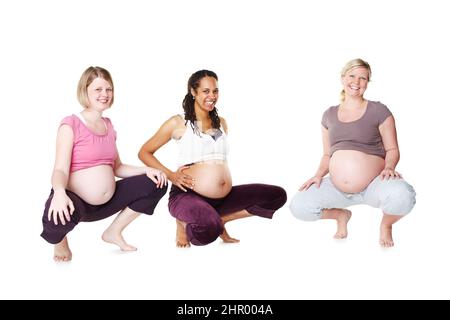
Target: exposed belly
[[95, 185], [212, 178], [351, 171]]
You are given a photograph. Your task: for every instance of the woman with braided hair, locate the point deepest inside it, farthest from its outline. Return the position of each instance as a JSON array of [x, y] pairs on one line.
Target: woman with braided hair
[[202, 198]]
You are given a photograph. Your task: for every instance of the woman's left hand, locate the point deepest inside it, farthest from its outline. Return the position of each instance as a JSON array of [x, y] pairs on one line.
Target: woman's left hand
[[389, 173], [157, 176]]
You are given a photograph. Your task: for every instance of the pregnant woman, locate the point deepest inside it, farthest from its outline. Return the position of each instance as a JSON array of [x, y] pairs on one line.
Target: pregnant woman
[[86, 164], [360, 151], [202, 198]]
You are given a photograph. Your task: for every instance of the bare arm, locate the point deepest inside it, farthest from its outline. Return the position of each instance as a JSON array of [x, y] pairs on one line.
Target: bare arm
[[160, 138], [64, 144], [224, 124], [61, 206], [122, 170], [125, 170], [167, 131], [324, 163], [389, 137]]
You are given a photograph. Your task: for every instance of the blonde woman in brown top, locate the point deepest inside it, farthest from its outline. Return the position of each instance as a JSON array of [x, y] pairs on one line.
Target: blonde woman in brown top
[[360, 152]]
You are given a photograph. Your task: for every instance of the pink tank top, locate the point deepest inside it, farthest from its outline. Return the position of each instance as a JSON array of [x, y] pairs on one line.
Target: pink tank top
[[91, 149]]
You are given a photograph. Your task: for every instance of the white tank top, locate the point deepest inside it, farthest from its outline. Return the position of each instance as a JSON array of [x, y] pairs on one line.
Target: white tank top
[[197, 146]]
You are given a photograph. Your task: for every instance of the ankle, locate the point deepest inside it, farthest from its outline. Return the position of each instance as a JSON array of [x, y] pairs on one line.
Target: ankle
[[112, 230]]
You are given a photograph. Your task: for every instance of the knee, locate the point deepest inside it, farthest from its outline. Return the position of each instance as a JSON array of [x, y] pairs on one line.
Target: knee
[[161, 191], [302, 209], [400, 199], [55, 233], [52, 234], [280, 197], [151, 187], [204, 224], [205, 233]]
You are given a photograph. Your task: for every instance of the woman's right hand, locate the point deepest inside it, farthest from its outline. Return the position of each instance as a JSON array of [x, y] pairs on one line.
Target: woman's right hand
[[62, 207], [313, 180], [182, 180]]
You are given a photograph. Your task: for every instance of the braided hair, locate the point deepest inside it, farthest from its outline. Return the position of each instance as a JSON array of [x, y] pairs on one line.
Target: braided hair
[[189, 102]]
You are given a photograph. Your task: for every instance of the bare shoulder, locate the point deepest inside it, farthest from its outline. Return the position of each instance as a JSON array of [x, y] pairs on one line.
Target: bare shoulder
[[175, 125], [224, 124], [166, 132]]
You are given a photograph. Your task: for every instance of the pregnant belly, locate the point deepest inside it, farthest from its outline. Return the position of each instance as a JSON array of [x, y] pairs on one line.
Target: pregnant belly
[[95, 185], [212, 179], [351, 171]]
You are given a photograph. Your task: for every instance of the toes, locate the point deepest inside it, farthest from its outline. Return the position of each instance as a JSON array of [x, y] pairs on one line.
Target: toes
[[183, 245], [230, 240], [386, 243], [128, 248], [61, 259]]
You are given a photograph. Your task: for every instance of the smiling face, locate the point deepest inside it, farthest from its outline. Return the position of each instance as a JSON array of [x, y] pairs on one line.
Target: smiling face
[[100, 94], [355, 81], [207, 94]]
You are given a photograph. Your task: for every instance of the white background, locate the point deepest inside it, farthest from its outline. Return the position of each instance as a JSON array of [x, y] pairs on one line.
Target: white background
[[278, 64]]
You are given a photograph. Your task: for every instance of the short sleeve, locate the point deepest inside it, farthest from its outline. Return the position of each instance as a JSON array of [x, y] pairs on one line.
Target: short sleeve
[[325, 118], [69, 121], [382, 112], [73, 122]]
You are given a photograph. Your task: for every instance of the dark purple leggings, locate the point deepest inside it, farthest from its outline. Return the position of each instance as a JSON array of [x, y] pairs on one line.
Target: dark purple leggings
[[202, 215], [138, 193]]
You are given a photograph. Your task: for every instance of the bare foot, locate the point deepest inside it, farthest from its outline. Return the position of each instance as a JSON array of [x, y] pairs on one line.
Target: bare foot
[[226, 237], [386, 240], [342, 221], [62, 251], [181, 237], [117, 239]]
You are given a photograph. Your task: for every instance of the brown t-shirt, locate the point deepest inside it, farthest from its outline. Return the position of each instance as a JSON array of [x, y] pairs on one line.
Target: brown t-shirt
[[362, 134]]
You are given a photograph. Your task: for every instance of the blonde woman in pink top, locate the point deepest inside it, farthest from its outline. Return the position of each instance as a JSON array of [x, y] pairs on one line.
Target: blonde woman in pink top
[[360, 152], [84, 187]]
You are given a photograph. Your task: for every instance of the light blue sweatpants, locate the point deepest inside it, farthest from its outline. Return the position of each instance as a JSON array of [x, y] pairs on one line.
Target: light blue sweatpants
[[393, 196]]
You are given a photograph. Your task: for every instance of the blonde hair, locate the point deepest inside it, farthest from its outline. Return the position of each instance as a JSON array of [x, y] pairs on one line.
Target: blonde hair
[[89, 75], [355, 63]]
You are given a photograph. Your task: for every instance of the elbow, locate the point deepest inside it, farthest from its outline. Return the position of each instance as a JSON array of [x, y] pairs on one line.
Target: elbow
[[116, 171], [144, 155], [65, 172], [394, 151], [141, 154]]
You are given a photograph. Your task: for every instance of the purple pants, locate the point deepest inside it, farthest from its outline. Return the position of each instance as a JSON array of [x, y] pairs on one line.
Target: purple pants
[[138, 193], [202, 215]]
